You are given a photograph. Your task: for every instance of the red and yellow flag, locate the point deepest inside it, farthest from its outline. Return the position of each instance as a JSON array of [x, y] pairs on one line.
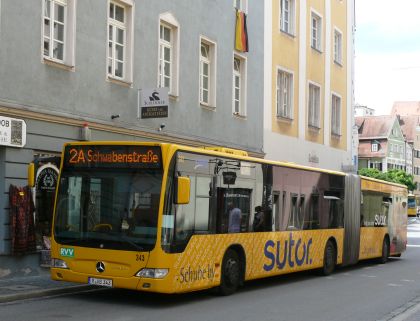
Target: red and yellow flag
[[241, 33]]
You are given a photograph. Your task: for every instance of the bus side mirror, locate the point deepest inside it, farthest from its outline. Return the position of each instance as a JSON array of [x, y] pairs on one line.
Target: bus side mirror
[[182, 192], [31, 174]]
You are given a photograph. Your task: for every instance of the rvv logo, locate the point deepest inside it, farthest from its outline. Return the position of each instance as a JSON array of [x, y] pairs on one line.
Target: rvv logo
[[67, 252]]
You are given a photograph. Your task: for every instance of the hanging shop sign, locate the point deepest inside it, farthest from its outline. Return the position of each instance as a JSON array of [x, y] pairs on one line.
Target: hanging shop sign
[[47, 176], [12, 132], [153, 103]]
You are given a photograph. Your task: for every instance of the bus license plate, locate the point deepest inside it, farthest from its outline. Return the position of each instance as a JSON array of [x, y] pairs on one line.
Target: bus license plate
[[100, 282]]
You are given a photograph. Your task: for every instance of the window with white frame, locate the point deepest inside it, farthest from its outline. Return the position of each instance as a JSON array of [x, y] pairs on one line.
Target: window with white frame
[[374, 147], [168, 53], [314, 105], [119, 60], [284, 94], [287, 16], [239, 83], [316, 31], [58, 31], [207, 73], [240, 5], [338, 46], [336, 115], [165, 56]]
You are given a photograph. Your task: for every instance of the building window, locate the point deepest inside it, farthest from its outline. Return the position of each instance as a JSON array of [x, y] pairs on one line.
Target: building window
[[240, 5], [336, 115], [314, 105], [375, 147], [284, 94], [316, 31], [165, 56], [207, 73], [168, 53], [58, 31], [287, 16], [338, 47], [119, 63], [378, 165], [239, 84]]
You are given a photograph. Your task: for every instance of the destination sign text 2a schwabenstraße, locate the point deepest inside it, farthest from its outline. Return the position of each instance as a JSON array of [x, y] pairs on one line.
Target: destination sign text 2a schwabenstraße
[[112, 156]]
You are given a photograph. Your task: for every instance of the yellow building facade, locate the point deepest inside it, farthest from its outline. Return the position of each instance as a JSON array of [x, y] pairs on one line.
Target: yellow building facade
[[309, 53]]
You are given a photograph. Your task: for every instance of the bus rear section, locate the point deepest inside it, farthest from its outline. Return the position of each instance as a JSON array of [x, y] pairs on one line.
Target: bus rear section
[[381, 215], [384, 219]]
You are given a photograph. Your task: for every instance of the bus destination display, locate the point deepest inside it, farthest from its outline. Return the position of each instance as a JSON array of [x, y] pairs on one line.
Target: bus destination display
[[109, 156]]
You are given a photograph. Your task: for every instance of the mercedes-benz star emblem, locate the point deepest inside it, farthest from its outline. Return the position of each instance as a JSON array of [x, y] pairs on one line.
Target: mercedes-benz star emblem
[[100, 267]]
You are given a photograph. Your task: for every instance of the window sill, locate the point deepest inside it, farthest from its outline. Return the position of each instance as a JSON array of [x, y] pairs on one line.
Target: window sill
[[58, 64], [317, 50], [239, 116], [287, 34], [119, 81], [314, 129], [284, 119], [208, 107], [335, 136], [339, 64], [174, 97]]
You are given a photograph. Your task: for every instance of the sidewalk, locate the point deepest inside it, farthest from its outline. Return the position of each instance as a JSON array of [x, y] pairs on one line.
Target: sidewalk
[[25, 287]]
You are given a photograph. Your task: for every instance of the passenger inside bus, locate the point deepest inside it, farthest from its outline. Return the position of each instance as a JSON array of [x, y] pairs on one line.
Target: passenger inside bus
[[234, 219]]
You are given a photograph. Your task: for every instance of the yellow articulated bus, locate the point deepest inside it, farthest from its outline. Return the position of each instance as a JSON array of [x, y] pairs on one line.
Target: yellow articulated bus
[[167, 218]]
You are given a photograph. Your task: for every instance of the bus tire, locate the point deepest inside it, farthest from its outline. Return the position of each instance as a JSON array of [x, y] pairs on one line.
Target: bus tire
[[330, 258], [385, 251], [231, 273]]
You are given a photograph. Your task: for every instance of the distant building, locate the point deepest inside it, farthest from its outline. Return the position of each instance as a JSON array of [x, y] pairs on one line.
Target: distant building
[[381, 143], [409, 114], [361, 111]]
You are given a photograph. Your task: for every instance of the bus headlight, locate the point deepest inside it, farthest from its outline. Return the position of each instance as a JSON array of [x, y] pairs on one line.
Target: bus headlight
[[152, 273], [57, 263]]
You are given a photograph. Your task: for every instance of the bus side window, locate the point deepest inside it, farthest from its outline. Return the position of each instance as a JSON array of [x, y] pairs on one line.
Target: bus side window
[[276, 210], [301, 211], [202, 201], [335, 212], [293, 218], [314, 212]]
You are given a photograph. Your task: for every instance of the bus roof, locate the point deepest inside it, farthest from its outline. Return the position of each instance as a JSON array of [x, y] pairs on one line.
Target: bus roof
[[382, 181], [211, 150]]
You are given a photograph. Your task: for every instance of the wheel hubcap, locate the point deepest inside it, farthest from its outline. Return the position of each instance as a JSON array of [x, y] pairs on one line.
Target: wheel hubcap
[[232, 272]]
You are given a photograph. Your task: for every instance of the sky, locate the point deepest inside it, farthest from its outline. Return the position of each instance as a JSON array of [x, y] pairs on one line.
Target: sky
[[387, 53]]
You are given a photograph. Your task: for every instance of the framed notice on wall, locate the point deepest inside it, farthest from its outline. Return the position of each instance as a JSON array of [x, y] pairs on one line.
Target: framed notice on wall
[[12, 132], [153, 103]]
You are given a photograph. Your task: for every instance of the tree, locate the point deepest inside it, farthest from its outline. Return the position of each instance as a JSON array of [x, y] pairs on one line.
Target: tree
[[372, 172], [393, 175], [401, 177]]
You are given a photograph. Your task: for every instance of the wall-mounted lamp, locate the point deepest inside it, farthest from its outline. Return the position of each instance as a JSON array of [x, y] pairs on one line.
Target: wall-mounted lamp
[[85, 132], [115, 116], [161, 127]]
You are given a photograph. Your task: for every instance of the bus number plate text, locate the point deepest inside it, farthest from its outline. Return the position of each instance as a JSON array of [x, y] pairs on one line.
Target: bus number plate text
[[100, 282]]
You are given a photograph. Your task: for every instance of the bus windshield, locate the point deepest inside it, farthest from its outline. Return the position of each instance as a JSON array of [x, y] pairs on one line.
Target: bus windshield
[[115, 209]]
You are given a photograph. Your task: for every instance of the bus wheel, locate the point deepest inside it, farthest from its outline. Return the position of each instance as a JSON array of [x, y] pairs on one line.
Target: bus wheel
[[329, 259], [231, 272], [385, 251]]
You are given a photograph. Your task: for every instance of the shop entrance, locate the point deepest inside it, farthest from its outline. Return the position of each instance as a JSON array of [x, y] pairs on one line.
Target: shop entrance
[[44, 194]]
